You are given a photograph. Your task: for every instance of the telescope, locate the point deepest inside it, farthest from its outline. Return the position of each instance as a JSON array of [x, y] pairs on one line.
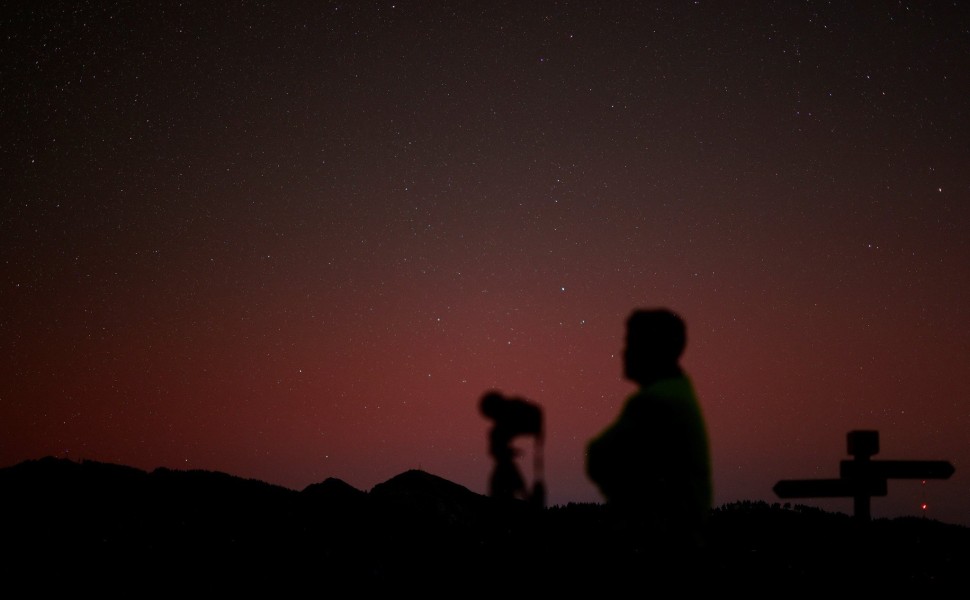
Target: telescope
[[513, 417]]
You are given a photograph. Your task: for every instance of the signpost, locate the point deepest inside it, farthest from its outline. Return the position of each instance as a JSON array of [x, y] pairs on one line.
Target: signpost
[[862, 478]]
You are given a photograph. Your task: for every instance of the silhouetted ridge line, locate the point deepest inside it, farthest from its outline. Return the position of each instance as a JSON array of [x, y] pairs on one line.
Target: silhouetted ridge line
[[417, 482], [418, 529], [332, 486], [420, 499]]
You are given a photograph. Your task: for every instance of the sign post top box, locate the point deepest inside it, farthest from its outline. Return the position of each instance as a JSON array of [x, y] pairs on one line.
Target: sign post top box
[[863, 443]]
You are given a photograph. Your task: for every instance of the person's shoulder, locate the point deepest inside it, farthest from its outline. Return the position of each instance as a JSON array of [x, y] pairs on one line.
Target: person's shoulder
[[677, 386]]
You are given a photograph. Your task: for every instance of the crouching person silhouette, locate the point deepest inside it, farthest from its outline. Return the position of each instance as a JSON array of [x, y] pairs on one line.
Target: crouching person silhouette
[[652, 464]]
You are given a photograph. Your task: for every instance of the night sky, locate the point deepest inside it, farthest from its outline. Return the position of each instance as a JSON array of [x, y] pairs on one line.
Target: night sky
[[292, 241]]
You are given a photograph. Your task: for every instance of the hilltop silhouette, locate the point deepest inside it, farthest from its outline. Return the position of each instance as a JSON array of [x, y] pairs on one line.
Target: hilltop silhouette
[[85, 523]]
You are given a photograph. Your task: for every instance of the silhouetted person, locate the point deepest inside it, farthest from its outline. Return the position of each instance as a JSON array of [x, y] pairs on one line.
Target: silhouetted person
[[653, 463], [513, 417]]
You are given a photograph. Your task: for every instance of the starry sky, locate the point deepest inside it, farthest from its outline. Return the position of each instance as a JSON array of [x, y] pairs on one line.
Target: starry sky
[[299, 240]]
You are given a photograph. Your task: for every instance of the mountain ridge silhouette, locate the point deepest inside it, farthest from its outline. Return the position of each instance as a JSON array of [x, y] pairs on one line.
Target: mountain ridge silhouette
[[417, 529]]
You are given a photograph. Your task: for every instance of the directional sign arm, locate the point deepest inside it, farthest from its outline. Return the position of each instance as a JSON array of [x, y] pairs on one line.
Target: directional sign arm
[[829, 488], [896, 469]]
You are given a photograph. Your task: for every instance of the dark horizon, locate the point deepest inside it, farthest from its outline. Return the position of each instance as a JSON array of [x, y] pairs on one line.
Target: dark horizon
[[80, 524], [797, 503]]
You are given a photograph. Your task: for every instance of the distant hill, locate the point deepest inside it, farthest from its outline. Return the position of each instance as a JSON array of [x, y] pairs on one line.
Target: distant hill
[[64, 522]]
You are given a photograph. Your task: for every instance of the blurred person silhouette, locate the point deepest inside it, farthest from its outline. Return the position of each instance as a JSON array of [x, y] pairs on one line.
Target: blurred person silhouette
[[513, 417], [652, 464]]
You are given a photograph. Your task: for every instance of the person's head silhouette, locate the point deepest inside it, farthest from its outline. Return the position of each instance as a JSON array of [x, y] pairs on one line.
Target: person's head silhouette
[[655, 340]]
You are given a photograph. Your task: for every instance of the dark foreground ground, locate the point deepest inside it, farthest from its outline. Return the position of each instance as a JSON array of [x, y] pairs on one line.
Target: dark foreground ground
[[115, 530]]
